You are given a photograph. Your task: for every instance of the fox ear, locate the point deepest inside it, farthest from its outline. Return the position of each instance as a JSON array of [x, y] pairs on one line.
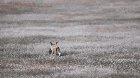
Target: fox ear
[[56, 42], [51, 43]]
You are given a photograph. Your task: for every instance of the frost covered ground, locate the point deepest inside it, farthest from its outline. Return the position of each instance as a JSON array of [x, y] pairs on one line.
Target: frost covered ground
[[98, 39]]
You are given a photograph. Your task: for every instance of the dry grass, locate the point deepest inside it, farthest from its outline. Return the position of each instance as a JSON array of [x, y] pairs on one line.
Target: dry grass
[[98, 39]]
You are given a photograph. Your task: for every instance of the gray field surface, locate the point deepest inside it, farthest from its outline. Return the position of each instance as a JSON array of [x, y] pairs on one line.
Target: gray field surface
[[97, 38]]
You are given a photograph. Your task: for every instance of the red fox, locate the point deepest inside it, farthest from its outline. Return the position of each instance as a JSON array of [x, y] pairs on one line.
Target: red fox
[[54, 49]]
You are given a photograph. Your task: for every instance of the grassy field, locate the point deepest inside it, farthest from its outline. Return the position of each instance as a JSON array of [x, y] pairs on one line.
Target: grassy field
[[97, 38]]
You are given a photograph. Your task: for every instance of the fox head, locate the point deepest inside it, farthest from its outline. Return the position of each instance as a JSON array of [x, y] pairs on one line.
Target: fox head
[[53, 43], [54, 49]]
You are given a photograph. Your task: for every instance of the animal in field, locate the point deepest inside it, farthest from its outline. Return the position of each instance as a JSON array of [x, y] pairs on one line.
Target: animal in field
[[54, 49]]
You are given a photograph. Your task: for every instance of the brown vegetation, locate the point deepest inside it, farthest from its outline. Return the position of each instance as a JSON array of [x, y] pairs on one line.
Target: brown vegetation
[[18, 7]]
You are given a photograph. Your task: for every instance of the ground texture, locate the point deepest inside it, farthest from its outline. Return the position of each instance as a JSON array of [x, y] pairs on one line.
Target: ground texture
[[98, 39]]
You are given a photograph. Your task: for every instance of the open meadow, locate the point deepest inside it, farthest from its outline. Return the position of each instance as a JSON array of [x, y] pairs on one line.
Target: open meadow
[[97, 39]]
